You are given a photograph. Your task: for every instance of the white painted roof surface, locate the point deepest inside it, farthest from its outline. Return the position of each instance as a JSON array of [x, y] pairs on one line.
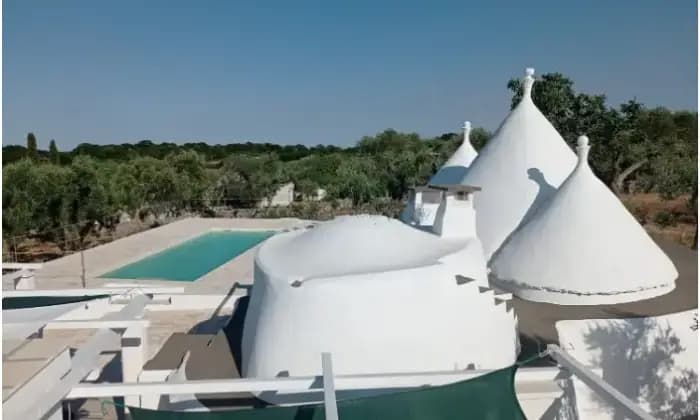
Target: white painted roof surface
[[452, 172], [380, 295], [519, 168], [352, 245], [652, 360], [583, 247]]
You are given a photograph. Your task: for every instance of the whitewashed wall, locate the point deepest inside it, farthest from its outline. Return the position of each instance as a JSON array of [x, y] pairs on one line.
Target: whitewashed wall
[[651, 360], [419, 319], [284, 196]]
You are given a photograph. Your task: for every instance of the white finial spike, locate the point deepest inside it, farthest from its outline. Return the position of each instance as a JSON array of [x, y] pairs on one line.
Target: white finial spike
[[467, 129], [582, 141], [582, 149], [528, 81]]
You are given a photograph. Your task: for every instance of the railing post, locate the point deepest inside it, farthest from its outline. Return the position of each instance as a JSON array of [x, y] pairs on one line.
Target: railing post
[[329, 401], [82, 268], [25, 280], [133, 358]]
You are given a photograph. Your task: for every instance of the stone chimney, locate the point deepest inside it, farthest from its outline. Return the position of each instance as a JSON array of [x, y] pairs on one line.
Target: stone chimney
[[456, 217], [412, 212]]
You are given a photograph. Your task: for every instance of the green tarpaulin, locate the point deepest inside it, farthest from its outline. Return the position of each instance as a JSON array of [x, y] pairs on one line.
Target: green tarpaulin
[[21, 302], [488, 397]]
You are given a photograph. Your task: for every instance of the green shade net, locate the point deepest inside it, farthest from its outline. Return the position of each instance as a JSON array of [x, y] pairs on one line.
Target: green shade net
[[21, 302], [488, 397]]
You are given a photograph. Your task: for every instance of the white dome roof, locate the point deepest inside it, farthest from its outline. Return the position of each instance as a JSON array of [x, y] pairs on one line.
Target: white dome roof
[[583, 247], [519, 168], [378, 294], [453, 171], [351, 245]]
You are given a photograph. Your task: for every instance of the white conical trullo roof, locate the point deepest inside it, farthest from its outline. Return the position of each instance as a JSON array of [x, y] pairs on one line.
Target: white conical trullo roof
[[583, 247], [518, 169], [453, 171]]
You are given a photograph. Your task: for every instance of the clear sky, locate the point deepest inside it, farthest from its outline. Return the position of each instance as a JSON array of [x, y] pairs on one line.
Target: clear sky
[[321, 72]]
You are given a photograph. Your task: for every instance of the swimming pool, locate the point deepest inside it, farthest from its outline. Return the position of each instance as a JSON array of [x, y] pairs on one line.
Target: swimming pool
[[191, 259]]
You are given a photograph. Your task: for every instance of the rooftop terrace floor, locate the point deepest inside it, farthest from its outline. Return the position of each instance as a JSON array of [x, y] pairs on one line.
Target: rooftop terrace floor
[[536, 320]]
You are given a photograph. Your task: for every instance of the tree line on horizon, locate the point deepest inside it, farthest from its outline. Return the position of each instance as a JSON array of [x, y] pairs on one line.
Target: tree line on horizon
[[634, 149]]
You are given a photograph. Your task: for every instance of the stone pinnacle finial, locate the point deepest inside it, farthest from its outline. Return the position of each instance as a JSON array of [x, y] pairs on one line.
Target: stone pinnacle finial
[[582, 148], [467, 129], [528, 81], [583, 141]]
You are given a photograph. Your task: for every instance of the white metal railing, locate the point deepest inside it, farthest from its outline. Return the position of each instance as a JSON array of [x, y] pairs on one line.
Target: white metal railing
[[21, 266], [597, 383], [329, 402], [90, 292], [329, 384], [21, 279], [283, 384], [48, 402]]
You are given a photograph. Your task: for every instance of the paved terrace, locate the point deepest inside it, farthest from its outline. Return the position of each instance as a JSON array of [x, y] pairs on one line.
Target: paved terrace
[[23, 359], [536, 320], [174, 331], [65, 272]]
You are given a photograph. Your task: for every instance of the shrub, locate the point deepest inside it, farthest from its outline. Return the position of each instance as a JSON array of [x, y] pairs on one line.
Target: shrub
[[665, 219]]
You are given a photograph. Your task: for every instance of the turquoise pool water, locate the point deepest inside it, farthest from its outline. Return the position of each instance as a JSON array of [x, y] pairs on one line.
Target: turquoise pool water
[[192, 259]]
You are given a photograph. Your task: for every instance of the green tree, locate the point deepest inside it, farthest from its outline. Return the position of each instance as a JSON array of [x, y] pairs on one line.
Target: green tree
[[479, 137], [34, 198], [53, 153], [190, 171], [31, 146], [88, 200], [317, 169], [247, 179], [357, 179], [675, 165], [155, 187], [620, 147]]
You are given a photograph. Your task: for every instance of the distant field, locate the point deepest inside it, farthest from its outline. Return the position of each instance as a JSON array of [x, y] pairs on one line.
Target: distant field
[[670, 219]]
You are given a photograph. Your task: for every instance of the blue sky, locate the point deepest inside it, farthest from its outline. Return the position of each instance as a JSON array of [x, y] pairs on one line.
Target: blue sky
[[321, 72]]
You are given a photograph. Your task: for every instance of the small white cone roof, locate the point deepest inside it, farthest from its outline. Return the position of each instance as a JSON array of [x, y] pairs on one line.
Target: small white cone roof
[[518, 169], [453, 171], [583, 247]]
